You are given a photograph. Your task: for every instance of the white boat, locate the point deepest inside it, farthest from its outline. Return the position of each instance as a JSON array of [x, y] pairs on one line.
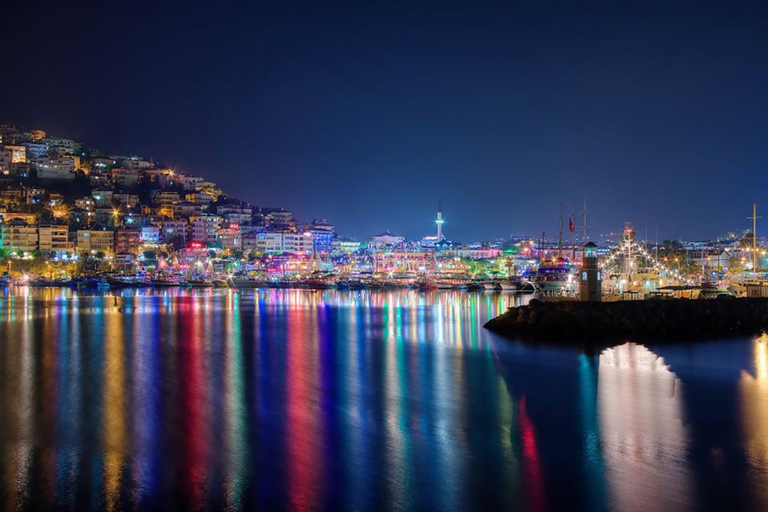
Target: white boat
[[556, 277], [508, 285]]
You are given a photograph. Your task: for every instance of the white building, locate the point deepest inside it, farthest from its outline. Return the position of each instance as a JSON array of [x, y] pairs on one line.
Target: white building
[[150, 235], [271, 242], [386, 239], [56, 169]]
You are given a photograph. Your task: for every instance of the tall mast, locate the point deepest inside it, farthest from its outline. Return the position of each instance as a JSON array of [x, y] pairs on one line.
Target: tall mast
[[560, 240], [572, 230], [584, 221], [754, 218]]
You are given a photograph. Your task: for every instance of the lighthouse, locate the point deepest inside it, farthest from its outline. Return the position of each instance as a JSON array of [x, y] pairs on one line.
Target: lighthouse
[[590, 284]]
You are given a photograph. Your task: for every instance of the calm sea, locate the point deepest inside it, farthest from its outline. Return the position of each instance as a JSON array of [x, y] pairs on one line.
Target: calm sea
[[326, 400]]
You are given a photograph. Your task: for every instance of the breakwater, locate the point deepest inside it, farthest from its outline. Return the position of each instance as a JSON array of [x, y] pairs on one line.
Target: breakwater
[[659, 319]]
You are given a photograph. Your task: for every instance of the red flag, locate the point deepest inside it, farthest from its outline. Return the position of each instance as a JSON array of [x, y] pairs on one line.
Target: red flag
[[570, 224]]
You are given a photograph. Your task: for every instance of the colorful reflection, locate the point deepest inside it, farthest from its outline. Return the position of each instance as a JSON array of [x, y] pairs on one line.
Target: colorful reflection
[[644, 438], [228, 400], [329, 400]]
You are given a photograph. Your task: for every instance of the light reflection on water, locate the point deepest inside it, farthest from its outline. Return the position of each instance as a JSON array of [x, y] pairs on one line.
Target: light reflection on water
[[753, 387], [359, 401], [643, 436]]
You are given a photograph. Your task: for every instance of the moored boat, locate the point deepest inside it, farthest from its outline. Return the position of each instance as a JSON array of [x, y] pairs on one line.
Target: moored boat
[[319, 281], [167, 280], [200, 282], [556, 277]]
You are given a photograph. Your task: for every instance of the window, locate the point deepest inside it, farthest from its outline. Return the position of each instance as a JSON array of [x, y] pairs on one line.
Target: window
[[584, 276]]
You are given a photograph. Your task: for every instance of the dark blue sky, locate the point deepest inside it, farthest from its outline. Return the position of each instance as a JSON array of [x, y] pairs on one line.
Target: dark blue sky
[[367, 113]]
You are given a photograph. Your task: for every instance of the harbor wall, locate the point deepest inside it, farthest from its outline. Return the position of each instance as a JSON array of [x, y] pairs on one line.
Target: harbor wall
[[655, 319]]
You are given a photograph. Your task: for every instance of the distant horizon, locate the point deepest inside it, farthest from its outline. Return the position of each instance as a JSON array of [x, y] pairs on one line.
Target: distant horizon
[[368, 114]]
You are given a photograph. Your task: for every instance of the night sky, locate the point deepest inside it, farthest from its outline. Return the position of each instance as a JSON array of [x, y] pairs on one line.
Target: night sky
[[368, 113]]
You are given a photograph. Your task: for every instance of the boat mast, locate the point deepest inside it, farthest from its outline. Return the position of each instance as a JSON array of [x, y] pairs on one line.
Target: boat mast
[[560, 240], [572, 230], [754, 218]]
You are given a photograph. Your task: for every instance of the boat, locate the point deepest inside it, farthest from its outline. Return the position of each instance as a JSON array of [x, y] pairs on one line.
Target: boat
[[40, 282], [200, 282], [556, 277], [167, 280], [426, 283], [475, 285], [712, 290], [319, 281], [126, 281], [372, 283], [243, 281], [509, 285], [453, 282], [350, 283], [490, 285]]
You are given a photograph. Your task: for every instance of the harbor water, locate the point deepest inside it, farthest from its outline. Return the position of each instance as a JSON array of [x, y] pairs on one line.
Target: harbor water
[[359, 400]]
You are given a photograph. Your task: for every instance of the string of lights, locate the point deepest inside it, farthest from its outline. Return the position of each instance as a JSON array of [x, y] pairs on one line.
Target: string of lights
[[626, 250]]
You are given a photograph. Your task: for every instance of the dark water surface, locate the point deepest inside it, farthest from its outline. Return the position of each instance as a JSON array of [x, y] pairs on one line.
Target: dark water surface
[[284, 399]]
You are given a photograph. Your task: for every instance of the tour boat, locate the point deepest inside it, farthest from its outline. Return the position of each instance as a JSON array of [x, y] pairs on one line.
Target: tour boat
[[556, 277], [167, 280], [319, 281]]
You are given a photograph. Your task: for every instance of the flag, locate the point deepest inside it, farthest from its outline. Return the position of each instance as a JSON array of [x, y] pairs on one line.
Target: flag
[[570, 224]]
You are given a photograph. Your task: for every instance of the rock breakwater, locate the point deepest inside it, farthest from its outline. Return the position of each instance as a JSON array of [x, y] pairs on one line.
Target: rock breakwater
[[679, 318]]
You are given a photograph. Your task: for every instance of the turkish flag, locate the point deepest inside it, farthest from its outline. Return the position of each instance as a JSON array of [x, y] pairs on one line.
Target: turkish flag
[[570, 225]]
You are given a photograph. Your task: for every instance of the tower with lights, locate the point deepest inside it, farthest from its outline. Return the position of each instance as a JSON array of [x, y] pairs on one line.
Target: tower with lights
[[439, 222]]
